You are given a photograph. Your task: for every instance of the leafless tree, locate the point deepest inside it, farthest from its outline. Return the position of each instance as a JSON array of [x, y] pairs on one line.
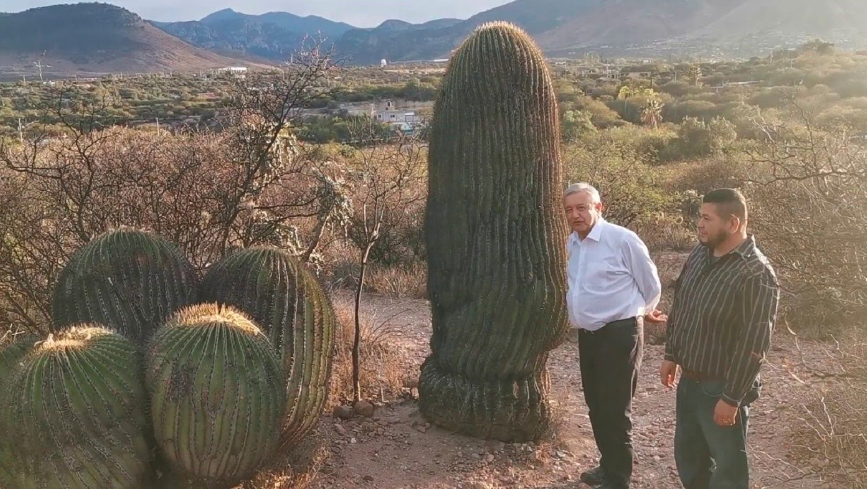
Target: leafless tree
[[385, 178]]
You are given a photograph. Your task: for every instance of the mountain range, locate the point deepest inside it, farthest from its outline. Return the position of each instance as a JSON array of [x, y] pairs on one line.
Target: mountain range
[[103, 38]]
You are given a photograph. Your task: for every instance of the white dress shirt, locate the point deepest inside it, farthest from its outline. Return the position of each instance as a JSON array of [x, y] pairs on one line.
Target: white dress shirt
[[611, 277]]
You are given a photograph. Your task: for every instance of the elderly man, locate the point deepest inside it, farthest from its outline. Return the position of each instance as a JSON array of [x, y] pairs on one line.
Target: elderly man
[[613, 289], [725, 306]]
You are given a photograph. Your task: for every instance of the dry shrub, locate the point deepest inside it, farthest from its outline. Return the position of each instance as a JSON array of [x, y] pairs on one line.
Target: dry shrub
[[382, 372], [665, 232], [831, 442], [401, 281], [808, 195]]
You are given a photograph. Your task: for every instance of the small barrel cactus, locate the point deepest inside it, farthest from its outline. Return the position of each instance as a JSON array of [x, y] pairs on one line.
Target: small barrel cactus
[[288, 303], [127, 280], [495, 238], [217, 396], [74, 415]]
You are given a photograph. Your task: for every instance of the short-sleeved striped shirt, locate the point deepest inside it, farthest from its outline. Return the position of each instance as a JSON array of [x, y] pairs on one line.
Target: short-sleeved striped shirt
[[723, 316]]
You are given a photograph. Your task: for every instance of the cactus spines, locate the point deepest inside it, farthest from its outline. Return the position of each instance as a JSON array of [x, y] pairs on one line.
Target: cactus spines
[[74, 414], [495, 235], [217, 396], [127, 280], [291, 307]]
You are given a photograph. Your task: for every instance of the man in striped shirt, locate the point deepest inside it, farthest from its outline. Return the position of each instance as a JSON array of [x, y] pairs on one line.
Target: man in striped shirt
[[719, 331]]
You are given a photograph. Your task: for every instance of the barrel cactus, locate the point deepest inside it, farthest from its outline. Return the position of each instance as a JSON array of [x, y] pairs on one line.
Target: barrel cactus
[[495, 239], [127, 280], [13, 349], [291, 307], [73, 416], [217, 397]]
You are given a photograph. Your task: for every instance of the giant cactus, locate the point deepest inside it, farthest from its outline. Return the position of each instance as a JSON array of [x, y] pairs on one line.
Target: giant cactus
[[217, 397], [73, 416], [127, 280], [495, 235], [290, 306]]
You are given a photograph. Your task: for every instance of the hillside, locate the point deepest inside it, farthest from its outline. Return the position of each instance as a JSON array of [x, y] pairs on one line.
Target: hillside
[[633, 27], [273, 35], [94, 38]]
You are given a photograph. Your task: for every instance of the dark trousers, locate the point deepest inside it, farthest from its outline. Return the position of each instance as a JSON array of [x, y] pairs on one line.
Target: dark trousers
[[709, 456], [610, 361]]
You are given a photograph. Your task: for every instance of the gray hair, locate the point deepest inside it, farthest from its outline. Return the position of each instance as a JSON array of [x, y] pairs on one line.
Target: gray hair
[[576, 188]]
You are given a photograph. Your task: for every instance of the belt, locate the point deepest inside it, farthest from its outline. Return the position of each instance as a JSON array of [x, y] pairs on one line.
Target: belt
[[633, 321], [696, 376]]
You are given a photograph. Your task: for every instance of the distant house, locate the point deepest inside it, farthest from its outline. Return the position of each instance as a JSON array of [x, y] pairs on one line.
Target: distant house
[[238, 71], [639, 75]]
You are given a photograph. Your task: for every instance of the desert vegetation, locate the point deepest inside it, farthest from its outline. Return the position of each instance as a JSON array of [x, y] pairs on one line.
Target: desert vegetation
[[348, 206]]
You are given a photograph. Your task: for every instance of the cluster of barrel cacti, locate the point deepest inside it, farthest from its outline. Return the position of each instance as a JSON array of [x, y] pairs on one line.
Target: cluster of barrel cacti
[[146, 364]]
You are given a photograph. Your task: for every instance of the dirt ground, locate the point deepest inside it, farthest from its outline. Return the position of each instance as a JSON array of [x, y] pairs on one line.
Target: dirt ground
[[396, 448]]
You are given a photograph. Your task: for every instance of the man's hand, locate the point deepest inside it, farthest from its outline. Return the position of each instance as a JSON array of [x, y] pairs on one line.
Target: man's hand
[[725, 415], [655, 317], [668, 373]]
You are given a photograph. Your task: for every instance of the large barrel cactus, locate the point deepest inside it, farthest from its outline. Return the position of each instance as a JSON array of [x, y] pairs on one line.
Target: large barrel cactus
[[73, 414], [12, 352], [128, 280], [495, 235], [289, 304], [217, 396]]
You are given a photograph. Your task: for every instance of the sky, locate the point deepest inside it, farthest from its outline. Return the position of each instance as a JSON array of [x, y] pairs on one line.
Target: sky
[[360, 13]]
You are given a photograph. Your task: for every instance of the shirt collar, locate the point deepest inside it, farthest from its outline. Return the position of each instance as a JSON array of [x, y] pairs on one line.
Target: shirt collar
[[745, 250], [595, 233]]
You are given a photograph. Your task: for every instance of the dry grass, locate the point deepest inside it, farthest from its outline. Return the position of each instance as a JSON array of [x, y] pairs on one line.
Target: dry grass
[[381, 370], [294, 467], [399, 282], [831, 442]]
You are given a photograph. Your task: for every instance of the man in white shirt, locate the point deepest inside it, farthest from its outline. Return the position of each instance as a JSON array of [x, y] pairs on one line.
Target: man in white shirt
[[613, 288]]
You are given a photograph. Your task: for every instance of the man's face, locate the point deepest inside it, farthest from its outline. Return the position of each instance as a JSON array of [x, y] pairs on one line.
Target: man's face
[[581, 212], [714, 229]]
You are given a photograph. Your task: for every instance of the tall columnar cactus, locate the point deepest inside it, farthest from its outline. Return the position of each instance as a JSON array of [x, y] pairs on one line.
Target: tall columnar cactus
[[495, 237], [73, 414], [289, 304], [127, 280], [217, 397]]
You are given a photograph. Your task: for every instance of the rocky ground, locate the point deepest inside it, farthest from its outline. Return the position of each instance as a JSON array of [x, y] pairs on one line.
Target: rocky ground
[[397, 448]]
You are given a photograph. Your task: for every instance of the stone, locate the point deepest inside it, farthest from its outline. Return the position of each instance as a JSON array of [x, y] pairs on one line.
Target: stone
[[364, 408], [340, 430], [342, 412]]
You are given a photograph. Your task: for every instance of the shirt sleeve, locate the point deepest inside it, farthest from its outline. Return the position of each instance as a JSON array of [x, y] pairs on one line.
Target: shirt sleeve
[[644, 272], [759, 300]]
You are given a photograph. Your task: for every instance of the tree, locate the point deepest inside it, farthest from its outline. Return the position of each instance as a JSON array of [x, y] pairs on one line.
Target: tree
[[250, 183], [652, 113], [384, 178], [694, 75]]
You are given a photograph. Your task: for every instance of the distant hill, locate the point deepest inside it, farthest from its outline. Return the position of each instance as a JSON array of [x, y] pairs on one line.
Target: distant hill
[[273, 36], [632, 27], [101, 38], [94, 38]]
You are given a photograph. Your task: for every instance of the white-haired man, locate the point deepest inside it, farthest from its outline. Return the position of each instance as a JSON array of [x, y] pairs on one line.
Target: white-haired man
[[613, 288]]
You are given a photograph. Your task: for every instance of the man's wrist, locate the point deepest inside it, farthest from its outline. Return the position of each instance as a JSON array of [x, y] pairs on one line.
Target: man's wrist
[[730, 400]]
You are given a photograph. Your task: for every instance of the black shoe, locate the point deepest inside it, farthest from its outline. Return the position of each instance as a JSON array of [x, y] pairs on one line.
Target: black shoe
[[593, 477]]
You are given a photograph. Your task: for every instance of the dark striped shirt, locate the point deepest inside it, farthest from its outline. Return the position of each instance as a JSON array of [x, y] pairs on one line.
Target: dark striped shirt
[[723, 316]]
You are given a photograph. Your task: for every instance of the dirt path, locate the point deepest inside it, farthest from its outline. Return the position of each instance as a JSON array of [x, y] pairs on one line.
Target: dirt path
[[397, 448]]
